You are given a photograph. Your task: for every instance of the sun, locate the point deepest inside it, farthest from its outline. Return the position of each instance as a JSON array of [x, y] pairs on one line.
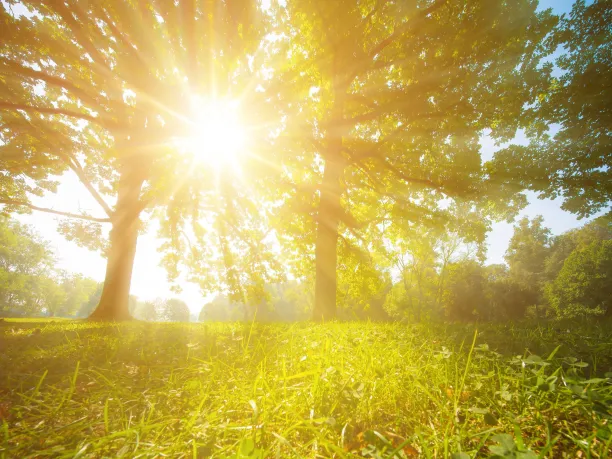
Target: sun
[[216, 135]]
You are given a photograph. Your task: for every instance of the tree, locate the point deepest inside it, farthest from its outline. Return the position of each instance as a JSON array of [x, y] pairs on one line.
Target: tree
[[47, 295], [90, 305], [105, 91], [563, 245], [383, 106], [147, 311], [416, 261], [362, 284], [528, 249], [174, 310], [25, 263], [526, 255], [132, 304], [507, 299], [584, 284], [78, 290], [221, 309], [292, 300], [574, 162], [466, 296]]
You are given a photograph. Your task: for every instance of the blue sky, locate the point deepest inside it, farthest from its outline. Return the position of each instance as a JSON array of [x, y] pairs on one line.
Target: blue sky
[[559, 6], [149, 280]]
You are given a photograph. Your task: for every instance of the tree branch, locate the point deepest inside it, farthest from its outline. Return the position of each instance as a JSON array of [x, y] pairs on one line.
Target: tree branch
[[80, 173], [57, 111], [15, 67], [11, 202], [375, 152], [393, 37], [399, 174], [81, 36], [132, 49], [404, 27], [366, 20]]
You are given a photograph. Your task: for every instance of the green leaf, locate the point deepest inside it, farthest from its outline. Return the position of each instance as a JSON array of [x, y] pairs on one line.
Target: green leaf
[[505, 440], [490, 419], [247, 446], [498, 450]]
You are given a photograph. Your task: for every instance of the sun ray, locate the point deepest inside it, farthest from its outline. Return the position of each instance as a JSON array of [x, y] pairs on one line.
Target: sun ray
[[216, 136]]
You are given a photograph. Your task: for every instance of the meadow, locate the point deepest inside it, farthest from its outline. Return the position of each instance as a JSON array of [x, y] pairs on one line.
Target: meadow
[[251, 390]]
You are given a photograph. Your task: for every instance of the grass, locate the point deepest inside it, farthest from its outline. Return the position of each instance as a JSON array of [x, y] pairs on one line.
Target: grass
[[80, 389]]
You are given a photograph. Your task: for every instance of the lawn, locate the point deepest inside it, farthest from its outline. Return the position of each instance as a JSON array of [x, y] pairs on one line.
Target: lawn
[[82, 389]]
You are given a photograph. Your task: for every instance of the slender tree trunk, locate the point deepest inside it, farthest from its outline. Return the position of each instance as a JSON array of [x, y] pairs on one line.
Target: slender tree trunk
[[441, 286], [114, 302], [326, 248]]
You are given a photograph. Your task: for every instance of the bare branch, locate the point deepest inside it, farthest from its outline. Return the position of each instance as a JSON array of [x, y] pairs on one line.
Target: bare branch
[[11, 202]]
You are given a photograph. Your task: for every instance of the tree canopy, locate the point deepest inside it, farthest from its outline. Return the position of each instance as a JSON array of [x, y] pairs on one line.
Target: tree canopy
[[569, 125], [107, 91], [358, 172]]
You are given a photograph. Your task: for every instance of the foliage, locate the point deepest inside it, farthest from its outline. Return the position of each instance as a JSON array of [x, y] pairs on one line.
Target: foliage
[[364, 120], [466, 294], [221, 309], [497, 292], [350, 390], [508, 299], [78, 290], [24, 261], [29, 283], [103, 91], [584, 284], [485, 293], [174, 310], [147, 310], [563, 245], [569, 124], [383, 105], [88, 307], [288, 301], [527, 251]]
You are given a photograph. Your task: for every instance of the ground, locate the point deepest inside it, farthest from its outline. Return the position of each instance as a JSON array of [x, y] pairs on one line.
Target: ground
[[82, 389]]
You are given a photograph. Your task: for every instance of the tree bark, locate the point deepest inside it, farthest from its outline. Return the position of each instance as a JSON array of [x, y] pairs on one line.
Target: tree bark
[[329, 212], [114, 302], [326, 245]]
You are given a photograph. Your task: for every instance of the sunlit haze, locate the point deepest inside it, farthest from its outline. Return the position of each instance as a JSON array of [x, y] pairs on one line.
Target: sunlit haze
[[306, 228], [216, 135]]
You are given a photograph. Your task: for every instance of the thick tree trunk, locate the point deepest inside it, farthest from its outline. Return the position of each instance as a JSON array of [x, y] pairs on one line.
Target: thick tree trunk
[[114, 302], [326, 252]]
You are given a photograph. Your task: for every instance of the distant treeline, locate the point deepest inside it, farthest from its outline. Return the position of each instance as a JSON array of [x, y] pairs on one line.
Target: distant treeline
[[434, 276], [563, 276], [441, 277], [31, 285]]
